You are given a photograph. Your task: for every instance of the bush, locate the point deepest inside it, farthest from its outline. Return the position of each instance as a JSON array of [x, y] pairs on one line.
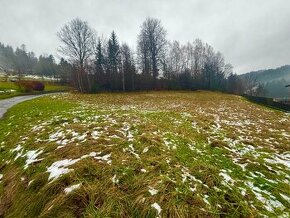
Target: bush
[[29, 86]]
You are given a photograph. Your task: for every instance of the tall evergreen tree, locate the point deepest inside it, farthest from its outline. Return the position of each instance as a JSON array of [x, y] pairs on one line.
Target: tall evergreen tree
[[99, 66], [114, 61]]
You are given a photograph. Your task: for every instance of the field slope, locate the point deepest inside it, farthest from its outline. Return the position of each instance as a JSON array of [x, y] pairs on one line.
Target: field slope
[[155, 154]]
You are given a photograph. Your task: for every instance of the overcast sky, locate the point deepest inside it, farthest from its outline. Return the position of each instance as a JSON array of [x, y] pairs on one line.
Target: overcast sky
[[252, 34]]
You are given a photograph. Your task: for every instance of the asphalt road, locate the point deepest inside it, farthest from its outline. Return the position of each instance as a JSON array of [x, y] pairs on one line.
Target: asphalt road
[[5, 104]]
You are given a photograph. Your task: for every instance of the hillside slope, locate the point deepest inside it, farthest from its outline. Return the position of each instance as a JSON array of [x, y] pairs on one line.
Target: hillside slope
[[270, 75], [167, 154], [273, 79]]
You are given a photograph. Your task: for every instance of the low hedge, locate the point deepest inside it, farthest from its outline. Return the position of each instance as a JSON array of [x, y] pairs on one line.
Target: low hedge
[[29, 85]]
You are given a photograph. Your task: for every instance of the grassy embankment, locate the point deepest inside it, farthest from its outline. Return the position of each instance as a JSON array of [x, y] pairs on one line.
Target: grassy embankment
[[9, 89], [172, 154]]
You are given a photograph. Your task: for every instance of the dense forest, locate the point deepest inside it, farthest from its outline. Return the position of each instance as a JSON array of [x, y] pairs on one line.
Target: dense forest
[[91, 63], [21, 62]]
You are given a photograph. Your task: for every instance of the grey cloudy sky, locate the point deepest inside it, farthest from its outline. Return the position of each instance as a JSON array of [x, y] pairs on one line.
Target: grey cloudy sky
[[252, 34]]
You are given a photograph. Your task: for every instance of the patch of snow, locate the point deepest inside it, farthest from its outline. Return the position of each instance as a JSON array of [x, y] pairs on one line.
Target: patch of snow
[[130, 136], [59, 168], [115, 180], [157, 207], [76, 120], [205, 199], [82, 137], [131, 149], [226, 177], [191, 147], [96, 134], [114, 137], [285, 197], [280, 159], [186, 175], [71, 188], [152, 191], [193, 189], [56, 136], [169, 144], [270, 203], [18, 148], [92, 154], [31, 157], [62, 142], [30, 182], [105, 158], [145, 150]]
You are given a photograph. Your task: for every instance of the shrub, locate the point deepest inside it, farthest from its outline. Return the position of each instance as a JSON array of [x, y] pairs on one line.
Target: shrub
[[29, 86], [38, 86]]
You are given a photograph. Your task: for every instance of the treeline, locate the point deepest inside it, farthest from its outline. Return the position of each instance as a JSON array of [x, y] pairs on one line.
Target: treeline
[[92, 63], [21, 62], [106, 64]]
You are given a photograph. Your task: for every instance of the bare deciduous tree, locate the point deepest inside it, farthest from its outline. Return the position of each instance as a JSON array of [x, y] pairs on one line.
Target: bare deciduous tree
[[151, 45], [78, 41]]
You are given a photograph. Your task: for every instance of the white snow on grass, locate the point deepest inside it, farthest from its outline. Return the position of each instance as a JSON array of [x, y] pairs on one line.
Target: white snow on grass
[[30, 182], [1, 176], [96, 134], [157, 207], [59, 147], [56, 136], [169, 144], [59, 168], [145, 150], [82, 137], [37, 128], [92, 154], [270, 202], [131, 149], [32, 157], [186, 175], [226, 177], [71, 188], [193, 189], [130, 136], [105, 158], [115, 180], [205, 199], [152, 190], [285, 197], [143, 170], [19, 150], [280, 159], [62, 142]]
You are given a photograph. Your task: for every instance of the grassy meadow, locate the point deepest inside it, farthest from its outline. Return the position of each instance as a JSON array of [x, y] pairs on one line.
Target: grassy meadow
[[147, 154]]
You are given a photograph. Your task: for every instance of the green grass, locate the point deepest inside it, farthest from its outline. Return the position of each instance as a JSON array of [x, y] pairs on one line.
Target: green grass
[[6, 86], [204, 154]]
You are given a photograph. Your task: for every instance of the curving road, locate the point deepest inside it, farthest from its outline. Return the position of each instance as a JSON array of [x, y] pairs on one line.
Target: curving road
[[5, 104]]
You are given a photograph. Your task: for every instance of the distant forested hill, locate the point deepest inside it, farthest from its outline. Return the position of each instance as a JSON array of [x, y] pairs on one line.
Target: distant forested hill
[[274, 81]]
